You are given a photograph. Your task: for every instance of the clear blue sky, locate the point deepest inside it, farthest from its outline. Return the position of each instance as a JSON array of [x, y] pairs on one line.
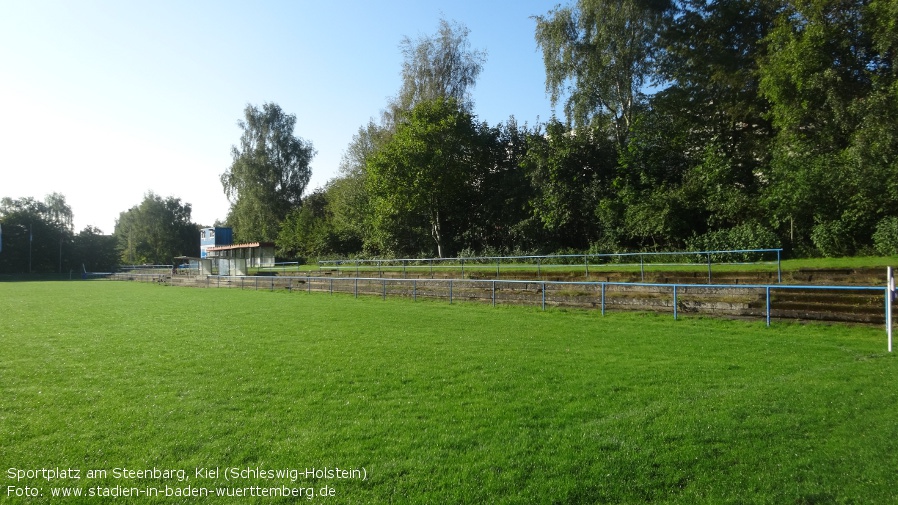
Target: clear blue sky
[[103, 101]]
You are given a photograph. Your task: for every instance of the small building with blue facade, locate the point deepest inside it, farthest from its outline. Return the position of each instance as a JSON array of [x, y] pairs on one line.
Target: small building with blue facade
[[214, 237], [217, 245]]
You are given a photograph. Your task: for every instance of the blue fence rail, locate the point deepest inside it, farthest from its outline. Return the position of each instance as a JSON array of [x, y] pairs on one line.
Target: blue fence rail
[[587, 261], [284, 266], [145, 269]]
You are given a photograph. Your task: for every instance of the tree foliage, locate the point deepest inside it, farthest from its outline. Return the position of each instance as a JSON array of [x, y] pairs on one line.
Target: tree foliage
[[569, 170], [425, 168], [499, 218], [92, 251], [156, 230], [712, 54], [829, 77], [441, 65], [349, 202], [268, 175], [687, 124], [599, 54], [36, 235]]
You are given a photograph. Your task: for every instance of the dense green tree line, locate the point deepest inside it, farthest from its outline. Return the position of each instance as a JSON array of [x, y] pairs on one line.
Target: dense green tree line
[[686, 125], [38, 236]]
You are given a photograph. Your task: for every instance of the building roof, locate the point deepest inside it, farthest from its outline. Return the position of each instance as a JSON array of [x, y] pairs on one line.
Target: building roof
[[249, 245]]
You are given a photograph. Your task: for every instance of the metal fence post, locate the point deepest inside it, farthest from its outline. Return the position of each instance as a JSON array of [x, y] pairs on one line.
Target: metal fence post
[[709, 268], [675, 301], [890, 289], [450, 291], [767, 289], [603, 298], [494, 293], [544, 296], [779, 267], [889, 317]]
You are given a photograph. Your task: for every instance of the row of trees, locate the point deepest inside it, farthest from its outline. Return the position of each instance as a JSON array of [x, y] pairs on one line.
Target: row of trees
[[687, 124], [38, 236]]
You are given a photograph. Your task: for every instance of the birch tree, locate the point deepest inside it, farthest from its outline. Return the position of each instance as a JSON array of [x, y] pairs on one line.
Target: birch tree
[[598, 55]]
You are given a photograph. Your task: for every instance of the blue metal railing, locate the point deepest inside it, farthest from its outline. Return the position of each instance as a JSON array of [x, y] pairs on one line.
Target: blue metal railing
[[283, 266], [412, 289], [145, 267]]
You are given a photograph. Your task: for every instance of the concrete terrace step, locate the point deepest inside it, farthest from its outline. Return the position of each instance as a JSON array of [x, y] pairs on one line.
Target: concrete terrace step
[[730, 301]]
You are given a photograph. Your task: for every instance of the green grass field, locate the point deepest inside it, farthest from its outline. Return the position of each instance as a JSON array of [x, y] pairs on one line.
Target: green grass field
[[434, 403]]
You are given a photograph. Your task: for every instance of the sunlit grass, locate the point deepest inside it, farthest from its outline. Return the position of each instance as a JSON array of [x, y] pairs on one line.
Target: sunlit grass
[[442, 403], [630, 265]]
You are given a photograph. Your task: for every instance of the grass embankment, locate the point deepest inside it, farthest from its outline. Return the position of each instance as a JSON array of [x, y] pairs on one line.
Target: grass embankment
[[437, 403], [530, 270]]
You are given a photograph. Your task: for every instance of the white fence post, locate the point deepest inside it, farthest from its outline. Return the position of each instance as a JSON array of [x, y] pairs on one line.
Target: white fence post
[[890, 292]]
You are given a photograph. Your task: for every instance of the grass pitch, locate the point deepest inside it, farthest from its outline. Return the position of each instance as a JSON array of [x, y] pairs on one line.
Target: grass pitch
[[434, 403]]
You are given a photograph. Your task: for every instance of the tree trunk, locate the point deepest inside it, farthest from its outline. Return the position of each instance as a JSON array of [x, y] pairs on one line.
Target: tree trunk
[[435, 231]]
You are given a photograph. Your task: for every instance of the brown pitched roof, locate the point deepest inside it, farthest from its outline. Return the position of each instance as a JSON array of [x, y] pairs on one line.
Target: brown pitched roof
[[241, 246]]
